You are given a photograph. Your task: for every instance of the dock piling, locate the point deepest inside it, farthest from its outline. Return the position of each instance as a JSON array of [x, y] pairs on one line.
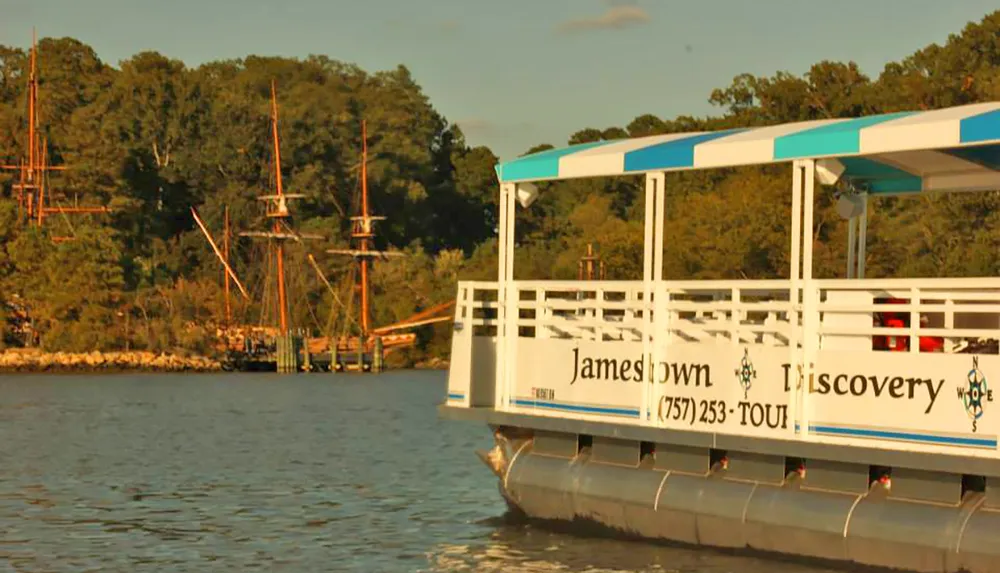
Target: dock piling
[[287, 352], [378, 363], [306, 356]]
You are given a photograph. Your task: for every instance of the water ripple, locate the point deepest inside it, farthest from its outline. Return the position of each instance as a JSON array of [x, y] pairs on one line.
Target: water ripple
[[259, 472]]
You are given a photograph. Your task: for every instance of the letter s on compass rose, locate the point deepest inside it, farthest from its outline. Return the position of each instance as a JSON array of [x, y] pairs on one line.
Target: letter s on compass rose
[[975, 394], [746, 373]]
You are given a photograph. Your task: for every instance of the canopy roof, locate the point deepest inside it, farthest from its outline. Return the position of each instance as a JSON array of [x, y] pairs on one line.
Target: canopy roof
[[949, 149]]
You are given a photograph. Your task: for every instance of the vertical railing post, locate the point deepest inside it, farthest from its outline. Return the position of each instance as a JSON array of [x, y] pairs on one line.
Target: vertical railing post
[[862, 237], [949, 322], [541, 314], [852, 246], [628, 314], [599, 314], [736, 316]]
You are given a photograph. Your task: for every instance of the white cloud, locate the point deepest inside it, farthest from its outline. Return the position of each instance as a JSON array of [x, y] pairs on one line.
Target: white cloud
[[619, 16], [482, 127], [476, 125]]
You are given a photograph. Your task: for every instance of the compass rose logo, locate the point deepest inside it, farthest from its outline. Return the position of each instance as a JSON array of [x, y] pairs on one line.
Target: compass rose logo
[[975, 394], [746, 373]]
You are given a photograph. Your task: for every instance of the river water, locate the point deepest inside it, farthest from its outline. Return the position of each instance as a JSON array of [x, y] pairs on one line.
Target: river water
[[241, 472]]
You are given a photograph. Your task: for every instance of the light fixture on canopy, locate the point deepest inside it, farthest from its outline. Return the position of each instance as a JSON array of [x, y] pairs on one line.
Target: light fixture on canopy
[[526, 194]]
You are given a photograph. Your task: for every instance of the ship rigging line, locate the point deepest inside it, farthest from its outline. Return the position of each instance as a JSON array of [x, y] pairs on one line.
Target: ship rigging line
[[322, 277]]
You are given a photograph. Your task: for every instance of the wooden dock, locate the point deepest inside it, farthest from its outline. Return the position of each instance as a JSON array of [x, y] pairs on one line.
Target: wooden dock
[[293, 353]]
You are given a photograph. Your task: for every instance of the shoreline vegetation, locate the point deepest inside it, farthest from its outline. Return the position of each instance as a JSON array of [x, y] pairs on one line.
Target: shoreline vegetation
[[152, 138]]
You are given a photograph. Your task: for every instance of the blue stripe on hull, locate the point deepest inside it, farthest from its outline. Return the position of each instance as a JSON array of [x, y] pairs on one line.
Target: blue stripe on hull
[[903, 436], [565, 407]]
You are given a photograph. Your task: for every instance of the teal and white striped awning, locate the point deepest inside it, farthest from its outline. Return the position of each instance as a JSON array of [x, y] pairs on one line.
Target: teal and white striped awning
[[946, 149]]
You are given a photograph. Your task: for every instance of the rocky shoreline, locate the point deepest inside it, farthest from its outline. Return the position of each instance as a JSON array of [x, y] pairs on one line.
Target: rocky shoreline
[[432, 364], [30, 360]]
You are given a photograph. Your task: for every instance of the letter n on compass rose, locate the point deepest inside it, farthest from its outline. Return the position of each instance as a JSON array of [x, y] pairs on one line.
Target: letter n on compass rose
[[975, 393], [746, 373]]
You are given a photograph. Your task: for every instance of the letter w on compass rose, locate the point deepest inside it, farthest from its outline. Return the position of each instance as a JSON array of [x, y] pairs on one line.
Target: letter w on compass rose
[[746, 373], [975, 394]]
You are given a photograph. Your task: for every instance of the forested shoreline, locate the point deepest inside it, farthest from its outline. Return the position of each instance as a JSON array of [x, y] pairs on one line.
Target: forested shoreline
[[152, 138]]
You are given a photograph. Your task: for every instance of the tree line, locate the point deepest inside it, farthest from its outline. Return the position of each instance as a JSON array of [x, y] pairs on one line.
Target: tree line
[[152, 138]]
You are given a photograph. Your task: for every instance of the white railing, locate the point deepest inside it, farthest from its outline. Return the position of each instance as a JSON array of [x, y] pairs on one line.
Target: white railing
[[750, 312], [944, 315], [738, 312], [584, 310], [470, 376], [734, 357], [476, 307], [963, 312]]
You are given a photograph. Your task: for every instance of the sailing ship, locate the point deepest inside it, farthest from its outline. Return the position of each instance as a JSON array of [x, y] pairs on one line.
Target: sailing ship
[[356, 345]]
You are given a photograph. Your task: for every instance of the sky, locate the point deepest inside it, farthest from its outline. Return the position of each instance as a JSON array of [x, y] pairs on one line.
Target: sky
[[517, 73]]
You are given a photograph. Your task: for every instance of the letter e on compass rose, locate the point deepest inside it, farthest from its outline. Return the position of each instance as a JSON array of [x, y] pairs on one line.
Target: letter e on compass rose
[[746, 373], [975, 393]]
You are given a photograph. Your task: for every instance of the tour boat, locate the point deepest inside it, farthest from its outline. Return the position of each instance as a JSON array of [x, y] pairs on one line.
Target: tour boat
[[849, 419]]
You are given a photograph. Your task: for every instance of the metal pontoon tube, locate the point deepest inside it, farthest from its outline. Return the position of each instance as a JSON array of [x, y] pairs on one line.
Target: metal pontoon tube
[[794, 521], [625, 493], [978, 550], [911, 535]]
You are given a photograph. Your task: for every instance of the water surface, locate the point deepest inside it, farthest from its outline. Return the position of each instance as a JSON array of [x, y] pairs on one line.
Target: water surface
[[238, 472]]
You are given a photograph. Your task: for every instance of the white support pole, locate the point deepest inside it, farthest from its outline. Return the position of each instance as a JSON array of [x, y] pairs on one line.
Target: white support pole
[[499, 362], [648, 264], [512, 303], [659, 335], [810, 298], [506, 221], [862, 237], [794, 330], [809, 184]]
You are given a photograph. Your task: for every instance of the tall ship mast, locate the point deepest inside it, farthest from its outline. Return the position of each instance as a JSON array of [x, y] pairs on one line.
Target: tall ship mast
[[32, 186], [363, 234], [278, 212], [372, 341]]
